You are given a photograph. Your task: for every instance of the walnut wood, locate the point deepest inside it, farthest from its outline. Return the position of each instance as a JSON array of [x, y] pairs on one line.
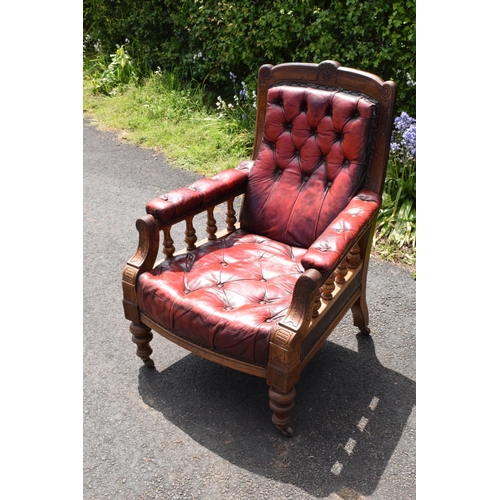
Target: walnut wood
[[190, 233], [338, 318], [211, 225], [317, 303], [230, 215], [360, 307], [142, 336], [282, 404], [235, 364], [340, 273], [353, 257], [168, 243], [328, 287], [143, 260]]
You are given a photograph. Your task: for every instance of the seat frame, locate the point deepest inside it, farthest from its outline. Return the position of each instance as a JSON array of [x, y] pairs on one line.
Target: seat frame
[[320, 300]]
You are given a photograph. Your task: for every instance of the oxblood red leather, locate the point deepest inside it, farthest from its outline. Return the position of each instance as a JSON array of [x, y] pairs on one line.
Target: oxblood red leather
[[173, 206], [300, 211], [227, 295], [324, 254], [311, 163]]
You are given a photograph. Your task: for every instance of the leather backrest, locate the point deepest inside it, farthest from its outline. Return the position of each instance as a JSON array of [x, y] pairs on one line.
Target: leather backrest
[[312, 161]]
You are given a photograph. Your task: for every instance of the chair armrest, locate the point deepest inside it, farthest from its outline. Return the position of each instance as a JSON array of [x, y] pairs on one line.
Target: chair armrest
[[175, 205], [331, 246]]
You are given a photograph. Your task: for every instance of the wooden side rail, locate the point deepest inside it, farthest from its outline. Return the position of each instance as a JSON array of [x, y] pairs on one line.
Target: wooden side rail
[[146, 255]]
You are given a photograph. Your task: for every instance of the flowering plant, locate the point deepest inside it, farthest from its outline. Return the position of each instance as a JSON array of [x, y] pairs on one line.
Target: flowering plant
[[397, 217], [121, 70], [239, 112]]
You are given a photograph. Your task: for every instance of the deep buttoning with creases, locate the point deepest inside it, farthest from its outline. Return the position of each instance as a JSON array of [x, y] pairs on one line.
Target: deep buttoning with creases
[[311, 162], [304, 205]]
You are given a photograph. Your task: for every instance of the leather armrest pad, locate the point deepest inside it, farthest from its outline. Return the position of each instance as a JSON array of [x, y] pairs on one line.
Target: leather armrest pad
[[175, 205], [329, 248]]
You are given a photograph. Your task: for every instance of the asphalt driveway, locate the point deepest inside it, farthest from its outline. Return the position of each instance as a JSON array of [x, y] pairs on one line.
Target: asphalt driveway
[[193, 429]]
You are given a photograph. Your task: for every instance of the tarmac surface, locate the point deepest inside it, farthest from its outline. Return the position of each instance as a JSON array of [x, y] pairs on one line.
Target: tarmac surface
[[193, 429]]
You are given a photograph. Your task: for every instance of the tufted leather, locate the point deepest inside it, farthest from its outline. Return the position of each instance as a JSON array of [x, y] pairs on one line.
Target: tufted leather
[[302, 209], [311, 163], [324, 254], [175, 205], [227, 295]]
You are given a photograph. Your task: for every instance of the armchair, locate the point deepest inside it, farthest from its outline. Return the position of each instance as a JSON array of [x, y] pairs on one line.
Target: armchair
[[263, 295]]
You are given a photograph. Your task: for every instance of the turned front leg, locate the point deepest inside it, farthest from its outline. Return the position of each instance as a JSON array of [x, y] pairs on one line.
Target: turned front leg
[[142, 336], [282, 404]]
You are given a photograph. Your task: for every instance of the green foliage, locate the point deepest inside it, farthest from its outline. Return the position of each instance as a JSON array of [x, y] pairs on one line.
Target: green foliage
[[239, 113], [106, 78], [206, 39], [397, 219], [166, 115]]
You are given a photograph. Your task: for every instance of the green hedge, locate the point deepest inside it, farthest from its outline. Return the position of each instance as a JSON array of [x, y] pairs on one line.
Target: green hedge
[[206, 39]]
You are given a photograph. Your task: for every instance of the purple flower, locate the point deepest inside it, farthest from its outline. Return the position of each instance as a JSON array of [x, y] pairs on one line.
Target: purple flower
[[232, 76], [404, 135]]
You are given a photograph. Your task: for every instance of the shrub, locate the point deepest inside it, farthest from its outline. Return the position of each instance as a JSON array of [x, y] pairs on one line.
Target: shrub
[[206, 39]]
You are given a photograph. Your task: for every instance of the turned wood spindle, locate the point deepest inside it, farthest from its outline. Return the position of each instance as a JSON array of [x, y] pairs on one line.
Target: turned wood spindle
[[190, 233], [353, 257], [230, 216], [168, 243], [211, 225], [328, 287], [340, 273]]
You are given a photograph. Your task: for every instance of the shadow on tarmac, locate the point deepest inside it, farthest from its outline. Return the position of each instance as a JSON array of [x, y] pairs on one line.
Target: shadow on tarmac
[[350, 414]]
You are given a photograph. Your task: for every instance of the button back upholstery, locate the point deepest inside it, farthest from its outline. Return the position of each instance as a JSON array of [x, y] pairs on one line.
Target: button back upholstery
[[263, 297], [312, 161]]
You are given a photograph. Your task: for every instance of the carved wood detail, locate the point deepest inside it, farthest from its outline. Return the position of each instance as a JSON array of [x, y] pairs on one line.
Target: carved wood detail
[[301, 308], [317, 303]]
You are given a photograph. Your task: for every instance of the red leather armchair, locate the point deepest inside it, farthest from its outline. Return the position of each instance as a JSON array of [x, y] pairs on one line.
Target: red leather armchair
[[263, 295]]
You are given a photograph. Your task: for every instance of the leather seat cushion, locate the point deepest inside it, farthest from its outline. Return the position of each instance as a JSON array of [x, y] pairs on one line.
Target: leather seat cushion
[[228, 295]]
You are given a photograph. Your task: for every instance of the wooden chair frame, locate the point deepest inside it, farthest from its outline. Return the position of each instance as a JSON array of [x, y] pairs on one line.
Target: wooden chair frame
[[319, 300]]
